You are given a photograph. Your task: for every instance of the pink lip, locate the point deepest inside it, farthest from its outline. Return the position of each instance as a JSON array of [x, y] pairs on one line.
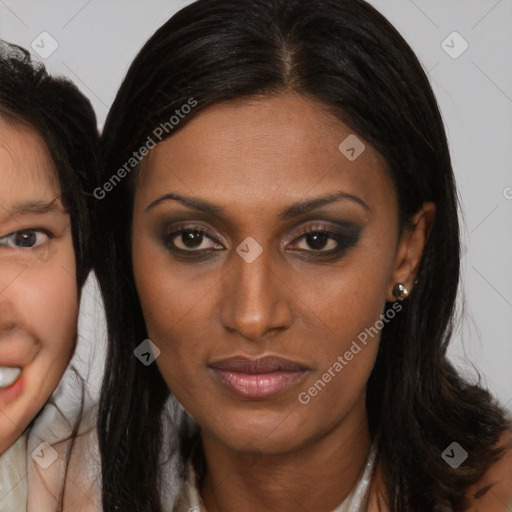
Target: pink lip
[[257, 378], [10, 394]]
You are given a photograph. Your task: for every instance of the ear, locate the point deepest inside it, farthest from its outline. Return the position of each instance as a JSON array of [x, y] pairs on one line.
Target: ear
[[410, 248]]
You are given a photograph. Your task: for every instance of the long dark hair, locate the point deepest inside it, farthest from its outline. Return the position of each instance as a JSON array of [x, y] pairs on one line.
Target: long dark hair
[[348, 56]]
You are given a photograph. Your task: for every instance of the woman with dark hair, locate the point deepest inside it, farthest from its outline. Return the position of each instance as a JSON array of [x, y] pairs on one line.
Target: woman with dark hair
[[48, 159], [280, 269]]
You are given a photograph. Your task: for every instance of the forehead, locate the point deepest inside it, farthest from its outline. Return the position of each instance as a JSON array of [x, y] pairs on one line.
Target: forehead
[[27, 170], [260, 148]]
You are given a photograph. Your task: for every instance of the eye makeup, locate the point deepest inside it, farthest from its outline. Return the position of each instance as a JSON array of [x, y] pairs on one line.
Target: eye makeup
[[319, 237], [318, 240]]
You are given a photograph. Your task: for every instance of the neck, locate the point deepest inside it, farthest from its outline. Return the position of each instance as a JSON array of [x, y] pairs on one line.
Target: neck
[[316, 477]]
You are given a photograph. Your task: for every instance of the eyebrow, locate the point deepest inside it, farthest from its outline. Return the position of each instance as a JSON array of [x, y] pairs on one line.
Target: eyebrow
[[294, 210], [35, 206]]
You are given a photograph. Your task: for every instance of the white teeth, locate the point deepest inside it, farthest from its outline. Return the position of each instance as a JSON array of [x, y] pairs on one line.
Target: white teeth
[[8, 376]]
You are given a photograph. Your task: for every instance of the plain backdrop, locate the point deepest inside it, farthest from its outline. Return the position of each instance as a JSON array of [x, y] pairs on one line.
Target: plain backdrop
[[464, 45]]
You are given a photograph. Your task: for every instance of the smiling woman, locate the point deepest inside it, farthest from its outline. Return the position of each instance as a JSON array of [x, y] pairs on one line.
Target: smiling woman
[[36, 229], [48, 157], [291, 250]]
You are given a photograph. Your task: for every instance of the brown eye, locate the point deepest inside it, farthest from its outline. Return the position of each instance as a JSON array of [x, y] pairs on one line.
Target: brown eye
[[326, 242], [317, 240], [191, 239]]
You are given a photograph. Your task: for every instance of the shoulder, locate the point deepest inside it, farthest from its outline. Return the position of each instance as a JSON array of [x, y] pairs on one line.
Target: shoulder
[[493, 492]]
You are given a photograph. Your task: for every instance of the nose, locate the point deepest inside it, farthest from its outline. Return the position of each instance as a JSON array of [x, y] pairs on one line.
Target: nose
[[256, 301]]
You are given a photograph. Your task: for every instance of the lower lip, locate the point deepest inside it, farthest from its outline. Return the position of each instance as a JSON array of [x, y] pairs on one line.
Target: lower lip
[[256, 386], [8, 395]]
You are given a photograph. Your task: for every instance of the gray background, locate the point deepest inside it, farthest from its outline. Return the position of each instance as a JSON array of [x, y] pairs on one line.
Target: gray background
[[97, 39]]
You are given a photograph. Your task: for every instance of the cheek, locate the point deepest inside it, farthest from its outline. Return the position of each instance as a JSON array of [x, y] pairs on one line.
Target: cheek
[[169, 299], [49, 302], [168, 291], [43, 301], [178, 303], [343, 300], [149, 276], [350, 300]]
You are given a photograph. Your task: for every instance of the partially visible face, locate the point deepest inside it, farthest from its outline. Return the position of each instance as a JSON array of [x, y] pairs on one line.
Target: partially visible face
[[38, 292], [250, 306]]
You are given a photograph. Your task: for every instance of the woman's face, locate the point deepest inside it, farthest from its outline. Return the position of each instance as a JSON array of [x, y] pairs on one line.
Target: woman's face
[[38, 292], [254, 317]]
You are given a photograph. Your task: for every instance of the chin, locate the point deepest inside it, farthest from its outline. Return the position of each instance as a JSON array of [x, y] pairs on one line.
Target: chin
[[263, 432]]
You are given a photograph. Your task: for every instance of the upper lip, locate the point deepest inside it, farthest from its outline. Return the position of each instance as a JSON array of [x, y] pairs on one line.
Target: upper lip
[[16, 353], [266, 364]]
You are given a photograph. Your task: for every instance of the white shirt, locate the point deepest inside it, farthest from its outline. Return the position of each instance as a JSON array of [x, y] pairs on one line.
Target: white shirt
[[13, 477]]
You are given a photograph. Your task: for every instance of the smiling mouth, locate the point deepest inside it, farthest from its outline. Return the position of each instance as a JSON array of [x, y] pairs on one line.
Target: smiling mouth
[[257, 379], [8, 376]]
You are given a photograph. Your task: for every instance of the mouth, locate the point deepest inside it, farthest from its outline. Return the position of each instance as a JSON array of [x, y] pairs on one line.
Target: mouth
[[8, 376], [257, 379]]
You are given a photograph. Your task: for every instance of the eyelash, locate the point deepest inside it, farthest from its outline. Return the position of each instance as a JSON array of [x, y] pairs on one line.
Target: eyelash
[[22, 232], [344, 241]]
